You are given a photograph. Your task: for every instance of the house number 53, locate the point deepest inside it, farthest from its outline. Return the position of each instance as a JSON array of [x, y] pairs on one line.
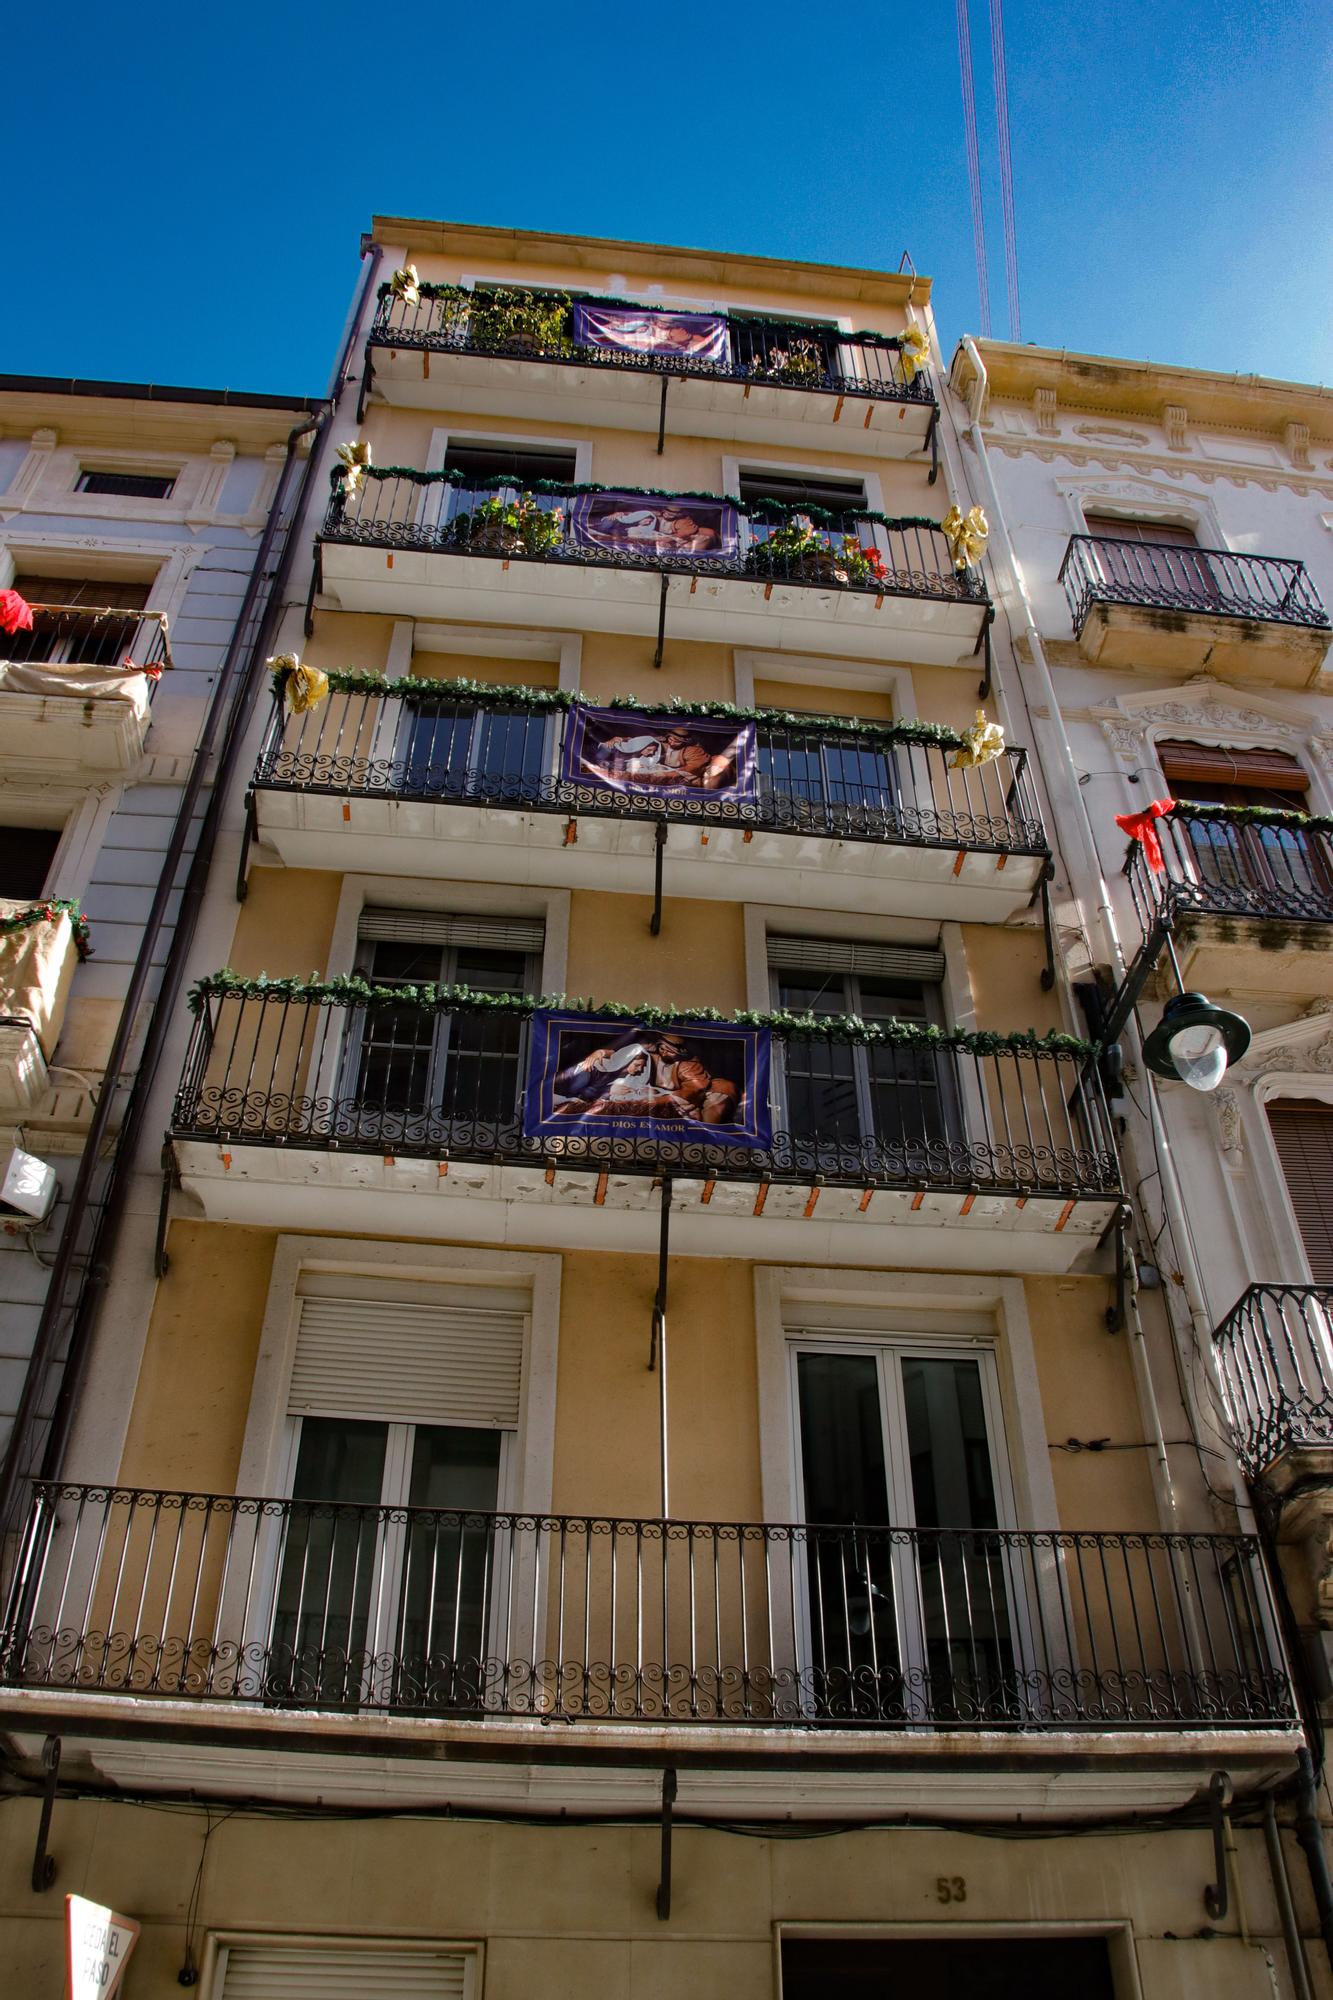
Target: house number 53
[[950, 1889]]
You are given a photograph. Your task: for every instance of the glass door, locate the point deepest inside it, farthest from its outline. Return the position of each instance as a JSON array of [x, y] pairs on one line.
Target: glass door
[[907, 1601], [453, 750], [385, 1577]]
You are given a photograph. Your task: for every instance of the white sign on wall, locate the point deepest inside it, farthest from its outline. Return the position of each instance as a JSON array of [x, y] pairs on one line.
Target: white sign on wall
[[98, 1947]]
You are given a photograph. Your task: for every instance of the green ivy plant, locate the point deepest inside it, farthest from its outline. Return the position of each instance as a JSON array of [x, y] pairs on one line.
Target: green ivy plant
[[504, 316], [536, 530]]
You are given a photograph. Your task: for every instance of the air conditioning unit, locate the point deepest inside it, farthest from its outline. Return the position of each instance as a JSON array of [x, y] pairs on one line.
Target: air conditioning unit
[[29, 1187]]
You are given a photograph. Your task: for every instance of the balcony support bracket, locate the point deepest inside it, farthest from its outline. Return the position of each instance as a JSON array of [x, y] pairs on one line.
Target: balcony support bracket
[[983, 647], [1115, 1312], [661, 418], [661, 621], [316, 583], [659, 851], [170, 1180], [664, 1876], [43, 1864], [932, 445], [367, 383], [247, 837], [1216, 1897]]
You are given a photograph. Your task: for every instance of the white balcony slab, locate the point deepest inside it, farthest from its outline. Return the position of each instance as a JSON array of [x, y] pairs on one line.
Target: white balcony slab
[[630, 399], [385, 836], [70, 735], [565, 1208], [770, 614]]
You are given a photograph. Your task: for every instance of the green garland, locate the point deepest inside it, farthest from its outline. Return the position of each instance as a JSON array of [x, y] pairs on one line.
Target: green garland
[[350, 990], [754, 510], [46, 912], [464, 296], [925, 734], [1274, 816]]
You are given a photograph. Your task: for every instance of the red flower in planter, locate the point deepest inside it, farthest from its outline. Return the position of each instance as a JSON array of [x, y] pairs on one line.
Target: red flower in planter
[[15, 612]]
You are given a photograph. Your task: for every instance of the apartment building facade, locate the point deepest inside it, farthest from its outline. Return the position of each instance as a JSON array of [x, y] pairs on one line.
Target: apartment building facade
[[640, 1463]]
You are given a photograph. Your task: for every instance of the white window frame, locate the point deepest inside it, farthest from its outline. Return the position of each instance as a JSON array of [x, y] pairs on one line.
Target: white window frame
[[437, 456], [731, 477], [828, 676], [213, 1961]]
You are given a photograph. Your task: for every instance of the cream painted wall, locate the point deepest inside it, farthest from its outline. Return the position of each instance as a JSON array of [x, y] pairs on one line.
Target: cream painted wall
[[285, 924], [697, 961], [1088, 1391], [1005, 968]]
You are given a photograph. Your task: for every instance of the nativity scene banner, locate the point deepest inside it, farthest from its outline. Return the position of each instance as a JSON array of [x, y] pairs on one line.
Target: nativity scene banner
[[653, 527], [704, 1082], [661, 756], [638, 330]]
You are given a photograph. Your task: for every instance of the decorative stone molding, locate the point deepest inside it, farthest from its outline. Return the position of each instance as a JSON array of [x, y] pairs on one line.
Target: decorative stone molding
[[1227, 1106], [1298, 445], [1175, 422], [1043, 408], [1110, 433], [33, 469], [221, 456]]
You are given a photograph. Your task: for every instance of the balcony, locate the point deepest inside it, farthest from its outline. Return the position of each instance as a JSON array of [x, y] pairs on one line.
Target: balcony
[[349, 1626], [764, 381], [327, 1101], [40, 946], [1153, 605], [1275, 1357], [425, 781], [427, 545], [73, 698], [1246, 894]]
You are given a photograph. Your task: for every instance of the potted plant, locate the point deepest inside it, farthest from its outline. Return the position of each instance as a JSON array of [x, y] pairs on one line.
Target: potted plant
[[798, 549], [519, 322], [800, 364], [505, 526]]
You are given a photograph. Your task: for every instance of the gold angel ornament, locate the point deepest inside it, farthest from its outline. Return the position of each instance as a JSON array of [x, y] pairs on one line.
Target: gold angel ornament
[[305, 687], [967, 535], [981, 744], [354, 458], [913, 352], [405, 286]]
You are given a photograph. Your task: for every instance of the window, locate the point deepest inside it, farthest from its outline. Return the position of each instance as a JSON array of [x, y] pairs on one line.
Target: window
[[825, 783], [403, 1406], [1157, 559], [26, 855], [128, 485], [801, 353], [984, 1968], [452, 749], [903, 1436], [267, 1968], [522, 460], [1303, 1134], [842, 1097], [1268, 862], [803, 489], [408, 1063], [65, 632]]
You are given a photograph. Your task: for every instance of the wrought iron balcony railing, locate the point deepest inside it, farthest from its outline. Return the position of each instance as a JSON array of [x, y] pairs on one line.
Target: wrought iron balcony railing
[[401, 508], [1220, 861], [340, 1072], [1275, 1356], [756, 352], [298, 1604], [1213, 583], [90, 635], [811, 778]]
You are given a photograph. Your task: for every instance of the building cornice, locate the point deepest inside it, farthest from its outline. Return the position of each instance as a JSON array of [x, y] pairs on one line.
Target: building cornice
[[133, 415]]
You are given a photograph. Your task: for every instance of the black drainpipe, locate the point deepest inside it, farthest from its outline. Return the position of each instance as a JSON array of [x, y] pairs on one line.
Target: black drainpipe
[[1310, 1834], [236, 700]]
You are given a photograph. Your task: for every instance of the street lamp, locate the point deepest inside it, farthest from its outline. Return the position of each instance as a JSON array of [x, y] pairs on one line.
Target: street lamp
[[1195, 1042]]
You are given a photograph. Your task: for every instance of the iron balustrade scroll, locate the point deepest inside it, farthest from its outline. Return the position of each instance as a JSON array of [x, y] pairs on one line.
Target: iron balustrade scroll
[[1275, 1357], [345, 1073], [1222, 863], [811, 778], [760, 352], [401, 508], [90, 635], [1216, 583], [302, 1604]]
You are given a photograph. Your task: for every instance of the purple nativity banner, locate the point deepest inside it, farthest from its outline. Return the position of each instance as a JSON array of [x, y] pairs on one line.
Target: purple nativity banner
[[667, 756], [634, 330], [647, 525], [703, 1083]]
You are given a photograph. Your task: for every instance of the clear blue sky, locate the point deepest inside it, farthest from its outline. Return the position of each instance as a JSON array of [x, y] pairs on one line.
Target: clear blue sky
[[188, 186]]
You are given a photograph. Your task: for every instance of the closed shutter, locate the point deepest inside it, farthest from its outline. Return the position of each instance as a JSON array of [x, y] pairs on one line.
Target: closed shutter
[[883, 961], [98, 591], [1303, 1134], [341, 1972], [1159, 533], [1209, 764], [525, 934], [402, 1358]]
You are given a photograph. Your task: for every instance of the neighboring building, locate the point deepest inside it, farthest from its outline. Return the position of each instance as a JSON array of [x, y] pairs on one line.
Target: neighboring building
[[130, 522], [353, 1605]]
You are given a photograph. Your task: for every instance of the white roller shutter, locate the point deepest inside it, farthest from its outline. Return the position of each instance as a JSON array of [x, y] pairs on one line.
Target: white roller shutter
[[342, 1972], [526, 934], [885, 961], [455, 1359]]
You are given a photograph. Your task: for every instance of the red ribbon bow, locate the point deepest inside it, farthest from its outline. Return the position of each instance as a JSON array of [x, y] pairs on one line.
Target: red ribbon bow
[[133, 667], [1139, 826], [15, 612]]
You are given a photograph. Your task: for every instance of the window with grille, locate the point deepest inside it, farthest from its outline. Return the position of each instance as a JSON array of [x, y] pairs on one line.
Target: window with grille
[[1303, 1134], [1271, 861], [128, 485], [74, 619], [274, 1969]]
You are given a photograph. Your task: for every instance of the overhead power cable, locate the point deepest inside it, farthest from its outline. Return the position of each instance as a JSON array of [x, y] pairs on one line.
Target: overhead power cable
[[1006, 168], [973, 162]]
